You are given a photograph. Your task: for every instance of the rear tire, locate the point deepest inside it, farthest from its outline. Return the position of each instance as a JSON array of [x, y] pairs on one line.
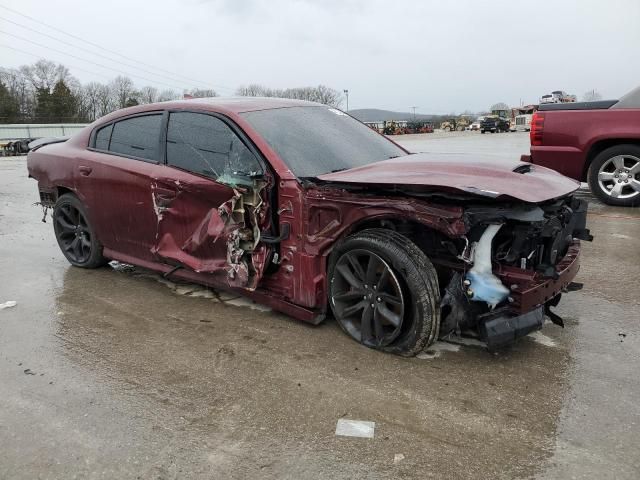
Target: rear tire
[[383, 292], [75, 235], [614, 176]]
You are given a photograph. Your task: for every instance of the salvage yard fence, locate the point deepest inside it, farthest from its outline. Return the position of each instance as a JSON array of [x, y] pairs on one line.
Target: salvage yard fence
[[18, 131]]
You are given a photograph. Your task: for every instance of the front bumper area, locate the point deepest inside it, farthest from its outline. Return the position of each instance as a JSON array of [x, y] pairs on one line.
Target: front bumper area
[[530, 289], [498, 329]]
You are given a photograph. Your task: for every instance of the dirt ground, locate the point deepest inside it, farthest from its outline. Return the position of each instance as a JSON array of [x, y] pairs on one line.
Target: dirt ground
[[116, 373]]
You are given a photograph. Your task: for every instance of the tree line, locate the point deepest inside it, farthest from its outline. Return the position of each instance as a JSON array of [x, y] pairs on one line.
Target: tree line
[[46, 92]]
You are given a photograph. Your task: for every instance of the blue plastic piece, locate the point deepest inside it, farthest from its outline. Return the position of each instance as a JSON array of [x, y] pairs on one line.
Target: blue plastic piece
[[486, 287]]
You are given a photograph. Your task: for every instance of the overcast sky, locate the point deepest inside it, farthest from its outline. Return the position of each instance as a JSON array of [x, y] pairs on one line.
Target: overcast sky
[[440, 56]]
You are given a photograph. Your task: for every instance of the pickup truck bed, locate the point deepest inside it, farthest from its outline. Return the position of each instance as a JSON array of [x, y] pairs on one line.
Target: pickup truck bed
[[597, 142]]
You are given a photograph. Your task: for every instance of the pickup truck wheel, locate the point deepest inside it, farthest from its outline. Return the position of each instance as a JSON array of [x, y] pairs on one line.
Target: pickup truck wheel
[[383, 292], [614, 176], [75, 235]]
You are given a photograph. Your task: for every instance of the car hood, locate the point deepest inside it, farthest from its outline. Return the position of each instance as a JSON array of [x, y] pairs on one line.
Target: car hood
[[483, 176]]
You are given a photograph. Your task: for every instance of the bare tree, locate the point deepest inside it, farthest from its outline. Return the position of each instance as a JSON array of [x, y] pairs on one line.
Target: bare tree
[[320, 94], [201, 93], [166, 95], [499, 106], [105, 100], [123, 90], [91, 100], [21, 88], [148, 95], [44, 74], [591, 96], [253, 90], [327, 95]]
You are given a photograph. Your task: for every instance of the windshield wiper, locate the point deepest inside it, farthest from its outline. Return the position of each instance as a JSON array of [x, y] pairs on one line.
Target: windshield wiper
[[338, 170]]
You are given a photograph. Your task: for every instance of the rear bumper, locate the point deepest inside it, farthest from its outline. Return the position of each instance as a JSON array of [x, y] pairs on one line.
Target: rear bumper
[[568, 161]]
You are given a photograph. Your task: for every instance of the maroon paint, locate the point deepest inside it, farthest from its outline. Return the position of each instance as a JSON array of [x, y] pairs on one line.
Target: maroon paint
[[123, 205], [571, 136], [457, 173]]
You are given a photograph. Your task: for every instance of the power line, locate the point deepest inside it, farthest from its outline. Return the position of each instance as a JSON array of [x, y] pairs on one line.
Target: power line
[[71, 66], [111, 51], [90, 61], [91, 52]]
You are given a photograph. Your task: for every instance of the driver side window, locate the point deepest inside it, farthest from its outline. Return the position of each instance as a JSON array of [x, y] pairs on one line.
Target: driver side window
[[205, 145]]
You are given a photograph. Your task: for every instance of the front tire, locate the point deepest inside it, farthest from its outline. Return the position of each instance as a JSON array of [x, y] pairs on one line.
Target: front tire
[[383, 292], [614, 176], [75, 235]]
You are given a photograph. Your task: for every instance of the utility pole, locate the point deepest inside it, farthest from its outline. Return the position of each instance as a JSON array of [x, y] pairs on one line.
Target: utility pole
[[346, 92], [414, 113]]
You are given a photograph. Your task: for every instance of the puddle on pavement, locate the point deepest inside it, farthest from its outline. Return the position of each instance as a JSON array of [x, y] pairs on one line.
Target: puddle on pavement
[[189, 289]]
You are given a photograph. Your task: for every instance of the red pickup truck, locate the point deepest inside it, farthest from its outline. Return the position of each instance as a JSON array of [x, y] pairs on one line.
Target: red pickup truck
[[597, 142]]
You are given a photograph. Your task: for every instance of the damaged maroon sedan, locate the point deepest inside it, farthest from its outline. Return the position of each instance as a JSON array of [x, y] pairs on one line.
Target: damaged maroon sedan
[[305, 209]]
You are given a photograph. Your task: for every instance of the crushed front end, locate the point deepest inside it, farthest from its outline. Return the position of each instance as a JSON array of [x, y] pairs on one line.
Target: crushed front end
[[514, 265]]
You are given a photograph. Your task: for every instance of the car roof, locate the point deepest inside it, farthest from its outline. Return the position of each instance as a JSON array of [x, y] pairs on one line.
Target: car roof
[[229, 104]]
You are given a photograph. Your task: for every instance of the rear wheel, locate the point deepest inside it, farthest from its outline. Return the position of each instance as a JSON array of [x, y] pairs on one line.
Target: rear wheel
[[75, 235], [383, 292], [614, 175]]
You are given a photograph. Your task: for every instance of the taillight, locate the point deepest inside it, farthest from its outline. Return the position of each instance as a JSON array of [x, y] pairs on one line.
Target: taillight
[[537, 128]]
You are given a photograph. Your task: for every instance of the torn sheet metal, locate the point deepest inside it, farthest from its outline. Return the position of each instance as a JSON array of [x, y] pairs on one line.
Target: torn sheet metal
[[225, 239]]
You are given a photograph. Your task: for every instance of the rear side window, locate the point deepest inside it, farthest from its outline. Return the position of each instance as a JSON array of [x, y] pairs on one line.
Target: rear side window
[[137, 136], [206, 145], [103, 136]]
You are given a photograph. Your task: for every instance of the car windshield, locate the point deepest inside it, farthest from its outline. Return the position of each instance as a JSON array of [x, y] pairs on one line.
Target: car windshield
[[314, 140]]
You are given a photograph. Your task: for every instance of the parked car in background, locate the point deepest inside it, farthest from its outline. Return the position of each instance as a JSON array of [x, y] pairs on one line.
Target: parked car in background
[[521, 118], [558, 96], [597, 142], [494, 124], [303, 208], [475, 126]]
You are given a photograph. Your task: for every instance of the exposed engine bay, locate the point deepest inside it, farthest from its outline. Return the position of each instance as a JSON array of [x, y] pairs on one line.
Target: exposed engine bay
[[504, 244]]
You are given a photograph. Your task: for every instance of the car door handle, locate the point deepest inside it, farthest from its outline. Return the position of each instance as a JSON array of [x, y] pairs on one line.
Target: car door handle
[[85, 170]]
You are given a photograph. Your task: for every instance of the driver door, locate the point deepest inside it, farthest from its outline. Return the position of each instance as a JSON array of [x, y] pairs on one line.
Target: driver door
[[211, 200]]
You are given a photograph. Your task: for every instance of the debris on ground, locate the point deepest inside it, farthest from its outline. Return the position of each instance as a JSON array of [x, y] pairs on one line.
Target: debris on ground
[[9, 304], [355, 428], [397, 458], [435, 350], [622, 336], [28, 371], [542, 339]]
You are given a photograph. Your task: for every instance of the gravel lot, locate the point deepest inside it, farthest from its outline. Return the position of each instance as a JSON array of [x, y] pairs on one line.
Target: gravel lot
[[116, 373]]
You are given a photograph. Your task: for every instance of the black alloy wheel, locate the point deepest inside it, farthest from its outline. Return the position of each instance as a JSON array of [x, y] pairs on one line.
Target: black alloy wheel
[[74, 234], [383, 292], [368, 298]]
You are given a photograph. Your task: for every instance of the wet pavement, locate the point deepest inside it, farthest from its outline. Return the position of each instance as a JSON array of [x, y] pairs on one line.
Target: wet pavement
[[116, 373]]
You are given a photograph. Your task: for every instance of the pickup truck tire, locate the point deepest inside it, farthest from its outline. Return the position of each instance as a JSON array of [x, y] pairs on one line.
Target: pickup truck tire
[[383, 292], [614, 175], [75, 235]]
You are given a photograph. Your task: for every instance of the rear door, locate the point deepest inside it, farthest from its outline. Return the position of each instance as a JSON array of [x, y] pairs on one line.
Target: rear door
[[215, 200], [115, 178]]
